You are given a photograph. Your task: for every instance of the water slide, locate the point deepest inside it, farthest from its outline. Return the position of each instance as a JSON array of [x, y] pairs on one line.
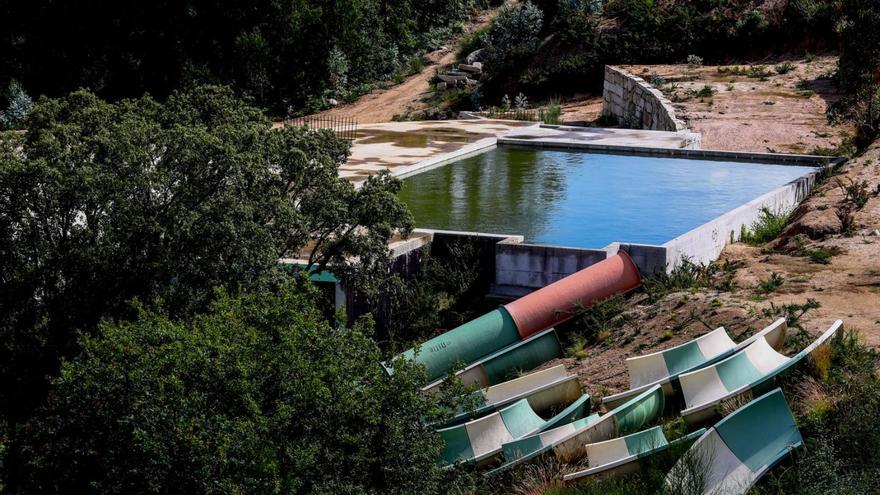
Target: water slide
[[624, 455], [736, 452], [751, 370], [508, 362], [664, 367], [480, 440], [567, 442], [542, 389], [526, 316]]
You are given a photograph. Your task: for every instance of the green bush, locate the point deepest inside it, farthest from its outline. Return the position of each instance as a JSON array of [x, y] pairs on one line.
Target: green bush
[[784, 68], [103, 203], [768, 226], [552, 113], [689, 275], [513, 36], [257, 395]]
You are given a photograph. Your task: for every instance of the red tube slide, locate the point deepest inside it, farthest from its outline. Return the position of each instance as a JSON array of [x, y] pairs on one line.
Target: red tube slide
[[559, 301]]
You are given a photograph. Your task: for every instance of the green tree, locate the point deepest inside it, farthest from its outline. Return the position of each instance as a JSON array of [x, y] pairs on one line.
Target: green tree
[[278, 52], [257, 395], [514, 35], [101, 203], [859, 67], [18, 106]]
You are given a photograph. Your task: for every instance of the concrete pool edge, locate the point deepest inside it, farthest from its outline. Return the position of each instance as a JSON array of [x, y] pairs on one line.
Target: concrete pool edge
[[688, 153], [704, 243], [471, 149]]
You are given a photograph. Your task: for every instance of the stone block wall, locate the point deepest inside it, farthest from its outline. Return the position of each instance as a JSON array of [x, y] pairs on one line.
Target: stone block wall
[[637, 104]]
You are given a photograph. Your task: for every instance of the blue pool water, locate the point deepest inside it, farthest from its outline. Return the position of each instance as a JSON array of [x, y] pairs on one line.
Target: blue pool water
[[582, 199]]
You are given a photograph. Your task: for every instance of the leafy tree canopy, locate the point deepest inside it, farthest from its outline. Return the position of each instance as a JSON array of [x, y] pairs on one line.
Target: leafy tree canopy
[[102, 203], [258, 395], [287, 55]]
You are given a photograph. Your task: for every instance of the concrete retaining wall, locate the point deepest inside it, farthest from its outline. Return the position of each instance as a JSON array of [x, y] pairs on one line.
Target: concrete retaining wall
[[521, 268], [635, 103], [704, 243]]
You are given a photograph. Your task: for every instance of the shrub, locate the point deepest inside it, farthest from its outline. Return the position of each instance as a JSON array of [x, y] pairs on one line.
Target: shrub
[[258, 395], [514, 35], [784, 68], [689, 275], [793, 312], [821, 255], [552, 113], [706, 91], [766, 228], [694, 61], [772, 284], [856, 192]]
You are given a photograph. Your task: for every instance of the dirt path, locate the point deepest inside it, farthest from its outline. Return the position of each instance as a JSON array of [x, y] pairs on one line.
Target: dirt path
[[383, 104]]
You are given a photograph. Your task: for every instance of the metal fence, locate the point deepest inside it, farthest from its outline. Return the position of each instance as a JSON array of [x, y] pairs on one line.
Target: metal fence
[[529, 114], [344, 127]]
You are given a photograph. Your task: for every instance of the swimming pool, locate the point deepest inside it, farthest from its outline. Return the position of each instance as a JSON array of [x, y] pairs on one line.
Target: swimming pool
[[581, 199]]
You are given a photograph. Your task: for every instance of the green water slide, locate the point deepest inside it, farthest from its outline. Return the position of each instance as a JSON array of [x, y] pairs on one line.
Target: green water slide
[[623, 455], [508, 362], [465, 344], [567, 442], [480, 440], [741, 448]]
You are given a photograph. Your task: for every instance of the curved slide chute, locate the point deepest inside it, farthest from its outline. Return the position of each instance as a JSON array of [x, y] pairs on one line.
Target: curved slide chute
[[499, 366], [664, 367], [542, 389], [527, 316], [480, 440], [741, 448], [623, 455], [752, 369], [567, 442]]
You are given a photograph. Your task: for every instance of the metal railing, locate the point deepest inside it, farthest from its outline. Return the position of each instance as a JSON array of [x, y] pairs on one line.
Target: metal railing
[[529, 114], [344, 127]]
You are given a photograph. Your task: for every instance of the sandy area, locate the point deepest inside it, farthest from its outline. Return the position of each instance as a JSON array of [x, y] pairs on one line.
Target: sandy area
[[777, 113]]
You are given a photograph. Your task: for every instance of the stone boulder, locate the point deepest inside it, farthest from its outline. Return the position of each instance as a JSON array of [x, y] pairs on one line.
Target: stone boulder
[[475, 56], [471, 69]]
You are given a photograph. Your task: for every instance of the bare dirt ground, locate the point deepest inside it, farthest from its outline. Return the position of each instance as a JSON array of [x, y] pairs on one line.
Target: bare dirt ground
[[783, 113], [581, 109], [383, 104]]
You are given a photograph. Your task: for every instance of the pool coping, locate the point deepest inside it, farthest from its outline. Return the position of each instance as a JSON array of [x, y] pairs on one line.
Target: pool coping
[[715, 155]]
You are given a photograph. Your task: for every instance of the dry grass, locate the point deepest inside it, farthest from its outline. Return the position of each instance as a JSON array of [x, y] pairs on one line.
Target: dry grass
[[820, 361]]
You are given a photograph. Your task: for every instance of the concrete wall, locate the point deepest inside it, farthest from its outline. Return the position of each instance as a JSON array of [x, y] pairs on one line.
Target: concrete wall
[[704, 243], [635, 103], [521, 268]]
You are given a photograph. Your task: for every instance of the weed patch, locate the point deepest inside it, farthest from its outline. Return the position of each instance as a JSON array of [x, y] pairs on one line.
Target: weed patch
[[767, 227], [771, 284]]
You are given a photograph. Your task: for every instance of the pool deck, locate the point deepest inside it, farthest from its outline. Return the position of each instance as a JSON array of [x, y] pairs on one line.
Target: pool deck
[[598, 138], [407, 148]]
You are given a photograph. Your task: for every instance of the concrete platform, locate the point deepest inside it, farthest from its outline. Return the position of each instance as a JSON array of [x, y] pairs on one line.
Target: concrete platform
[[405, 147], [597, 138]]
